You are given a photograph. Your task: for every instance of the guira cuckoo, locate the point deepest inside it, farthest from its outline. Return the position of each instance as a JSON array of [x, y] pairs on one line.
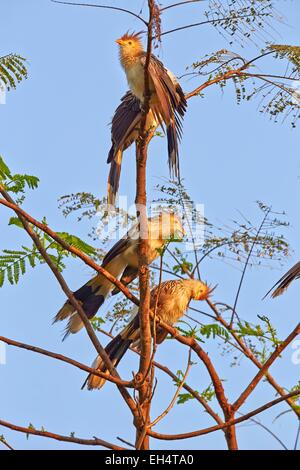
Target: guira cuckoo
[[171, 300], [122, 262], [167, 107]]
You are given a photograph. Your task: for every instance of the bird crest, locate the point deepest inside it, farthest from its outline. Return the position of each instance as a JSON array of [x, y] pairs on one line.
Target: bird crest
[[134, 36]]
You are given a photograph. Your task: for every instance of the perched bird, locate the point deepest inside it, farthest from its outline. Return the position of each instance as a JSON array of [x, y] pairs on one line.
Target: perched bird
[[172, 299], [122, 262], [167, 107], [285, 281]]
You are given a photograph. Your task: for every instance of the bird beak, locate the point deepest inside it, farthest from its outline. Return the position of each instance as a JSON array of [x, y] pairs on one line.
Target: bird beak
[[207, 292], [120, 42]]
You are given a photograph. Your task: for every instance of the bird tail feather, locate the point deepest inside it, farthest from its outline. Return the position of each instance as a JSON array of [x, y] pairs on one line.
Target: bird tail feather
[[91, 296], [173, 149], [114, 178], [115, 350], [285, 281]]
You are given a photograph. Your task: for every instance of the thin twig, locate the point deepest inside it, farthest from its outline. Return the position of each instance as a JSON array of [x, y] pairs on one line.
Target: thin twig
[[297, 436], [125, 442], [268, 430], [5, 443], [108, 7], [180, 4], [245, 268], [201, 23], [179, 388]]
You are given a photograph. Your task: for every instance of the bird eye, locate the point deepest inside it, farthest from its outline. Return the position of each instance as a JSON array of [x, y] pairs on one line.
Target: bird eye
[[130, 42]]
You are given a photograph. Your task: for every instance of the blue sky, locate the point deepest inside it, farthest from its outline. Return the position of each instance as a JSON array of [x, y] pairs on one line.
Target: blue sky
[[55, 125]]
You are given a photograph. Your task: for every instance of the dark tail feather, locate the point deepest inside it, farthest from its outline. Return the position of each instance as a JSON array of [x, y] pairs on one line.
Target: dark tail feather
[[114, 178], [285, 281], [115, 350], [173, 150], [91, 296], [90, 306], [111, 154]]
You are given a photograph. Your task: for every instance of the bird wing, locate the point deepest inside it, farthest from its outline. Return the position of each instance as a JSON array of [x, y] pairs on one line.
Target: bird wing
[[285, 281], [170, 105], [126, 118], [170, 95], [122, 245], [128, 276]]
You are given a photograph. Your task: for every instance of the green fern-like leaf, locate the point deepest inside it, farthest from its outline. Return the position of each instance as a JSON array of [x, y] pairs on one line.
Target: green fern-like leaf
[[12, 70], [214, 330], [4, 170], [16, 183], [75, 241], [12, 264]]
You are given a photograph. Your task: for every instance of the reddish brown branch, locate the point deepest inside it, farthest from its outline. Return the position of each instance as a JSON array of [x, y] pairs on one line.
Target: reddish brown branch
[[249, 354], [217, 383], [66, 359], [72, 249], [142, 441], [174, 377], [59, 437], [201, 432], [253, 384], [226, 76], [74, 302]]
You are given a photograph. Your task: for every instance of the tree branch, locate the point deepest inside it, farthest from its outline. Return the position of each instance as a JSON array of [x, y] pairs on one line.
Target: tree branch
[[180, 4], [281, 347], [179, 388], [201, 432], [174, 377], [68, 360], [108, 7], [72, 249], [145, 393], [77, 305], [59, 437]]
